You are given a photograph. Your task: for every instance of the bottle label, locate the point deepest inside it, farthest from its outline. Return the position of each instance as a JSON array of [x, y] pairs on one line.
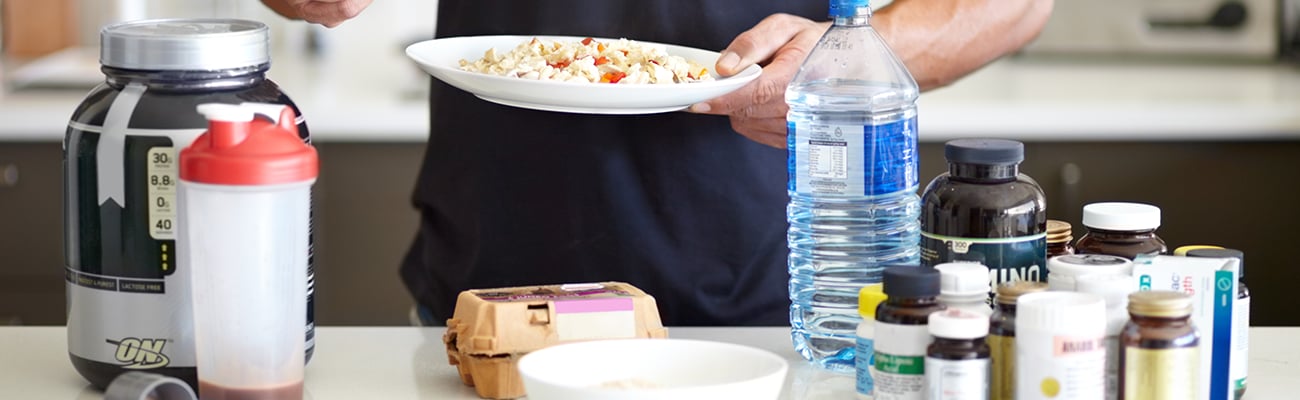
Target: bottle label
[[1240, 343], [1009, 259], [900, 361], [1060, 367], [956, 380], [1002, 351], [864, 364], [1165, 374], [119, 242], [852, 160]]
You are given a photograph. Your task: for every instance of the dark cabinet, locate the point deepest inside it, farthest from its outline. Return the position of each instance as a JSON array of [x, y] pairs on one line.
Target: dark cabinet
[[1238, 194]]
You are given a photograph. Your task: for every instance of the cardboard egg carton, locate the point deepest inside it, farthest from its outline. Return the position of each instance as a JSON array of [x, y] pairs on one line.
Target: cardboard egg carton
[[492, 328]]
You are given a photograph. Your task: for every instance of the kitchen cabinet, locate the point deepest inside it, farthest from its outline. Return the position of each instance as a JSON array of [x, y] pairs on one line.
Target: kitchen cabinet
[[1238, 194]]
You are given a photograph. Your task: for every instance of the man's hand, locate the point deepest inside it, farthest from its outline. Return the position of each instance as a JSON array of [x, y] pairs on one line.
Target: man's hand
[[758, 109], [330, 13]]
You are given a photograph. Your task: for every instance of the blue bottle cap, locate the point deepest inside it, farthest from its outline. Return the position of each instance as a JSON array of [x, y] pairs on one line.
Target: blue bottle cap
[[847, 8]]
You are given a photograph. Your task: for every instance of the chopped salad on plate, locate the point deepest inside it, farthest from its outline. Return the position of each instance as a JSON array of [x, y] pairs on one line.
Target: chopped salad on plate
[[590, 60]]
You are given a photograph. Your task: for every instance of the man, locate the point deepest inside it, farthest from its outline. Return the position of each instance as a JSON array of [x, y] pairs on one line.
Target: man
[[676, 203]]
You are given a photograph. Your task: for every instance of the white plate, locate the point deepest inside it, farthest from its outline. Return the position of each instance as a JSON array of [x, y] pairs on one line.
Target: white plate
[[441, 58]]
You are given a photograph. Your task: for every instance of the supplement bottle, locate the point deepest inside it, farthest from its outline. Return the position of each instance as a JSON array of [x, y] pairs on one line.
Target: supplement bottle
[[1240, 318], [1063, 271], [1002, 337], [984, 210], [869, 298], [1121, 229], [957, 361], [1114, 290], [852, 180], [1060, 346], [1161, 359], [1059, 237], [964, 286], [128, 300], [901, 332], [1182, 250]]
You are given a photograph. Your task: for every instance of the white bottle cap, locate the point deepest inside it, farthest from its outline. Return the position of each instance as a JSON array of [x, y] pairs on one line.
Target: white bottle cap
[[963, 278], [958, 324], [1087, 264], [1121, 216], [1070, 313], [1112, 288]]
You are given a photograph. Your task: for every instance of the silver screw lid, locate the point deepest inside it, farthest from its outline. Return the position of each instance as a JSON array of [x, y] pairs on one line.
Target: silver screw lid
[[185, 44]]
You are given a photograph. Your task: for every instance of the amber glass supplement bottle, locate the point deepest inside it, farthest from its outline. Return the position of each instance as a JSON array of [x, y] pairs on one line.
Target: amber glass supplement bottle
[[1240, 318], [957, 361], [901, 331], [1002, 336], [1059, 237], [984, 210], [1121, 229], [1060, 346], [1114, 289], [869, 298], [1161, 359]]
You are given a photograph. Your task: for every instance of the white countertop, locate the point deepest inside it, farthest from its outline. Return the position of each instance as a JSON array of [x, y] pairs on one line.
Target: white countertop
[[379, 95], [411, 363]]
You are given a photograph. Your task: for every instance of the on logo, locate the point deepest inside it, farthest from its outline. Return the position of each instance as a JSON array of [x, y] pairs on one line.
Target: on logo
[[140, 353]]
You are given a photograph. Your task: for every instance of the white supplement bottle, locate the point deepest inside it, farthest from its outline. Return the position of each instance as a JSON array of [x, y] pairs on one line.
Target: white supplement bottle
[[965, 286], [957, 362], [1063, 270], [869, 297], [1114, 290], [1060, 346]]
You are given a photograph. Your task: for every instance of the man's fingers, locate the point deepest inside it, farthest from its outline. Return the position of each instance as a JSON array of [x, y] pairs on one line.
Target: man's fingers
[[767, 131], [759, 43], [330, 13]]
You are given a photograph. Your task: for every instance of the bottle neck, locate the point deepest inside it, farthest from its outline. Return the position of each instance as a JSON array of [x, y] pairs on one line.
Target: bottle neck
[[222, 79], [1173, 322], [913, 301], [1102, 234], [982, 172], [860, 17]]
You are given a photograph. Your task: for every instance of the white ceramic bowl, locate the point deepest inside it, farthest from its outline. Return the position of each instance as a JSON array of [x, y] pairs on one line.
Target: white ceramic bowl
[[643, 369]]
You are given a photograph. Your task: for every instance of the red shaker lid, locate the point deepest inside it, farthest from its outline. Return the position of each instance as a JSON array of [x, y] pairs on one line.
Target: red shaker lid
[[238, 149]]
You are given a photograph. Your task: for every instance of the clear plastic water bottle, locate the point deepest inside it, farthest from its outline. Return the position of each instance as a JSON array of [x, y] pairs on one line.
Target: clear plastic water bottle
[[853, 180]]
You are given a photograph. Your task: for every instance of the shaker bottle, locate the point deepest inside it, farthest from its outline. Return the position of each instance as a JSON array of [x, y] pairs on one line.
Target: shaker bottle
[[244, 203]]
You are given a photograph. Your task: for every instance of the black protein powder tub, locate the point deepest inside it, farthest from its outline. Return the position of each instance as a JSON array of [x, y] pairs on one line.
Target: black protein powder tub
[[128, 301], [984, 210]]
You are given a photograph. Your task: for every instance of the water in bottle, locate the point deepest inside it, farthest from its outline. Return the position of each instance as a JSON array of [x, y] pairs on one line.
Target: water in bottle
[[853, 179]]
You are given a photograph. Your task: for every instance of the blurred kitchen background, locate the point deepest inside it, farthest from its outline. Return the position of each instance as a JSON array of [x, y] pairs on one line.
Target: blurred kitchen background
[[1192, 105]]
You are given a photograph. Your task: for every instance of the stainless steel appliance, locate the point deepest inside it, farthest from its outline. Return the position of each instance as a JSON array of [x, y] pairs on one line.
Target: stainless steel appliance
[[1241, 29]]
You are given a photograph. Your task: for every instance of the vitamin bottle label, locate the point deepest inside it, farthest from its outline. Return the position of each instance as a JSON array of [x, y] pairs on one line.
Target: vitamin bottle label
[[863, 365], [1240, 343], [900, 361], [1165, 374], [852, 160], [1060, 367], [1009, 259], [956, 380], [1002, 350]]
